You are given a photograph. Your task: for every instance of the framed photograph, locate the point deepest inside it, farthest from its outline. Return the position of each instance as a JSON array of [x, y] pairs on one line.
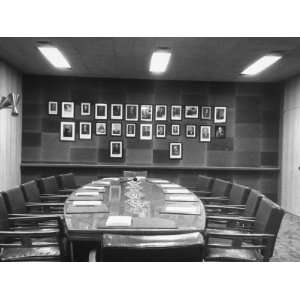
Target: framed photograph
[[176, 112], [160, 130], [132, 112], [52, 108], [191, 112], [190, 131], [85, 109], [116, 149], [205, 134], [220, 114], [101, 111], [161, 112], [175, 151], [67, 131], [67, 110], [220, 132], [146, 113], [116, 129], [175, 129], [117, 111], [206, 112], [146, 131], [85, 130], [130, 130], [101, 129]]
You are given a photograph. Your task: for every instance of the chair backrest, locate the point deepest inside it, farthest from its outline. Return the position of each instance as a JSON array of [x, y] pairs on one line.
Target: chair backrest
[[205, 183], [31, 191], [135, 173], [252, 204], [3, 215], [48, 185], [15, 201], [221, 187], [238, 194], [66, 181], [268, 220]]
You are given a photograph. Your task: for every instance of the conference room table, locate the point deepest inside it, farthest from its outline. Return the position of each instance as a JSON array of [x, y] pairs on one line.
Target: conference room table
[[139, 205]]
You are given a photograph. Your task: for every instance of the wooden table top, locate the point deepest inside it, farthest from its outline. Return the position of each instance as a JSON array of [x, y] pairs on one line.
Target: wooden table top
[[119, 196]]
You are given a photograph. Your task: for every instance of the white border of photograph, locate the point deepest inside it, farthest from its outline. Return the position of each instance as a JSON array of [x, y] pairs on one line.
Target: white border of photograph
[[134, 130], [177, 133], [202, 113], [179, 117], [62, 137], [164, 116], [205, 139], [67, 114], [120, 154], [101, 117], [89, 108], [193, 116], [142, 136], [119, 116], [52, 111], [143, 107], [186, 131], [97, 129], [172, 156], [118, 127], [85, 136], [160, 136], [136, 115], [216, 119]]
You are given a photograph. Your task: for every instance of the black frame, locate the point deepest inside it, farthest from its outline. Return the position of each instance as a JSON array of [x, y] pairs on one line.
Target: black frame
[[224, 130]]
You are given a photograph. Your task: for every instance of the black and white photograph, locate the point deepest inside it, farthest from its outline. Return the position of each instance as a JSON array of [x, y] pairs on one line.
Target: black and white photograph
[[220, 115], [160, 130], [146, 113], [116, 149], [175, 151], [67, 131], [146, 131], [176, 112], [116, 111], [205, 133], [52, 108], [175, 129], [220, 132], [161, 112], [85, 130], [191, 112], [116, 129], [206, 112], [85, 109], [132, 112], [100, 111], [130, 130], [101, 128], [190, 131], [67, 110]]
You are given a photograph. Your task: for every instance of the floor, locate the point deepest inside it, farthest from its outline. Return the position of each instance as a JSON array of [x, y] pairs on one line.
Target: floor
[[287, 246]]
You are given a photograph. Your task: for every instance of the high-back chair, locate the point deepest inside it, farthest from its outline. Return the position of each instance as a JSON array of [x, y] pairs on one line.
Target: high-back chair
[[49, 186], [135, 173], [204, 186], [254, 244], [67, 181]]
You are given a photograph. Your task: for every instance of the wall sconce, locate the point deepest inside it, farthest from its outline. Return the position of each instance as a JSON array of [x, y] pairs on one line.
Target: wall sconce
[[11, 101]]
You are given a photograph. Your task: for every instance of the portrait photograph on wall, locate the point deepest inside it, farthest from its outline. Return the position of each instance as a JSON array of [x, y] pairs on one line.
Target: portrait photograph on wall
[[160, 130], [160, 112], [146, 131], [206, 112], [146, 113], [190, 131], [67, 110], [52, 108], [101, 111], [85, 109], [116, 111], [132, 112], [175, 151], [130, 130], [116, 149], [220, 115], [101, 128], [220, 132], [116, 129], [85, 130], [175, 129], [205, 133], [191, 112], [67, 131], [176, 112]]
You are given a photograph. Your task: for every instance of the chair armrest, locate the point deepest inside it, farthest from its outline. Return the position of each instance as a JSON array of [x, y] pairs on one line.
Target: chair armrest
[[231, 234], [39, 218], [42, 204], [214, 199], [29, 234], [52, 196], [67, 190], [230, 218], [226, 207]]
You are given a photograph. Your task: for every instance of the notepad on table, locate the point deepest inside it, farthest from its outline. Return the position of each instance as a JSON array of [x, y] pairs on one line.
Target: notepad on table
[[87, 194], [169, 185], [86, 209], [118, 221], [180, 209], [86, 203], [176, 191], [182, 198], [93, 187]]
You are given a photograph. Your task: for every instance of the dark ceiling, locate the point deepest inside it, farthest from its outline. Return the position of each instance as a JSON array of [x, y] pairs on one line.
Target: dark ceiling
[[203, 59]]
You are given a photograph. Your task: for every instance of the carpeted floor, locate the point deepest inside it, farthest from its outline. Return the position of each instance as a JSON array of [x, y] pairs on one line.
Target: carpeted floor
[[287, 246]]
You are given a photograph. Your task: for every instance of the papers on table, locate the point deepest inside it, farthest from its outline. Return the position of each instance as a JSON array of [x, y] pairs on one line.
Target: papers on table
[[94, 187], [101, 182], [158, 180], [86, 203], [169, 185], [87, 194], [118, 221], [182, 198], [181, 209], [176, 191], [85, 208]]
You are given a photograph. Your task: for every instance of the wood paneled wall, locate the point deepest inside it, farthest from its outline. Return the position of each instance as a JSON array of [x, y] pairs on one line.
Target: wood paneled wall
[[10, 130]]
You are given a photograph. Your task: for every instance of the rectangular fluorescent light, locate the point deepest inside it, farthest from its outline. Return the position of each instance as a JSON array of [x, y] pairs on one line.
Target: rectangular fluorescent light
[[261, 64], [54, 56], [159, 61]]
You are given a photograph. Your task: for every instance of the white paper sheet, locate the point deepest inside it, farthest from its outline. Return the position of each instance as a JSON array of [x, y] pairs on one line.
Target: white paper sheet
[[103, 182], [87, 194], [169, 185], [158, 180], [119, 221], [182, 197], [91, 187], [182, 209], [176, 191], [86, 203]]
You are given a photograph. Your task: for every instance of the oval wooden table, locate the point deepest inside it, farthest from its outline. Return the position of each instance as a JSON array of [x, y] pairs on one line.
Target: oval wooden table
[[150, 203]]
